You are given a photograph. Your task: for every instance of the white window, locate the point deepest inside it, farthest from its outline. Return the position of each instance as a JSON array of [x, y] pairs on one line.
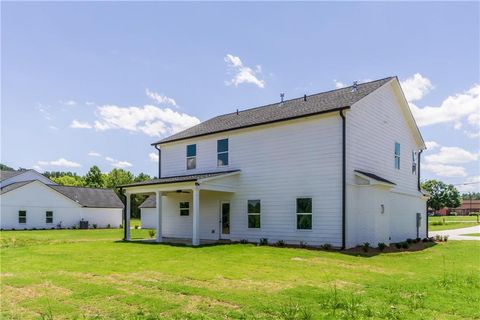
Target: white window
[[184, 208], [304, 213], [397, 155], [414, 162], [253, 211], [191, 156], [222, 152]]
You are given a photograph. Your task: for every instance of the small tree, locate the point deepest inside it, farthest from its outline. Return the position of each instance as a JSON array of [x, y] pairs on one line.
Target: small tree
[[441, 195], [94, 178]]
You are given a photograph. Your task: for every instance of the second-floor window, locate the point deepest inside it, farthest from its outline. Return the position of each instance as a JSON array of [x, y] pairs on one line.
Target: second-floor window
[[191, 156], [222, 152], [414, 162], [397, 155], [49, 217]]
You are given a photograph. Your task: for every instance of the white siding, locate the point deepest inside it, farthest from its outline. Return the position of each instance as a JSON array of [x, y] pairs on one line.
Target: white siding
[[36, 199], [278, 162]]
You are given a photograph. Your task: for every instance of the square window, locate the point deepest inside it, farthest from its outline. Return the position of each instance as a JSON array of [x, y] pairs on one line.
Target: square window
[[254, 221], [191, 150], [222, 159], [304, 205], [222, 145], [49, 217], [191, 163], [304, 221], [185, 208], [22, 216]]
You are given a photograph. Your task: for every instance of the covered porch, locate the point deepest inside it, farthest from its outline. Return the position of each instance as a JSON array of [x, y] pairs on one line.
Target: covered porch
[[186, 206]]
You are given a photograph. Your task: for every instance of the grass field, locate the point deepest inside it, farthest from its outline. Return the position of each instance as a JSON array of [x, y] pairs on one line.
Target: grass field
[[87, 274], [472, 234], [451, 222]]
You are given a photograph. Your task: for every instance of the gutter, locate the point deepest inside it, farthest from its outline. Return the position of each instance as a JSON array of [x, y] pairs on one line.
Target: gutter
[[159, 161], [343, 178]]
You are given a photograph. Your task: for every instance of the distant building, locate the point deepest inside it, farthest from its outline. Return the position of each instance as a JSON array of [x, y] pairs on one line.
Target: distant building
[[465, 208]]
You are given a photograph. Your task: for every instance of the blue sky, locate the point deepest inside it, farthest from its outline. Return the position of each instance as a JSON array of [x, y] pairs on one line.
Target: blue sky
[[96, 83]]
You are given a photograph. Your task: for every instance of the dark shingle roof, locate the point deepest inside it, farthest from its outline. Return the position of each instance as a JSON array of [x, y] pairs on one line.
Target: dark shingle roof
[[375, 177], [14, 186], [8, 174], [90, 197], [150, 202], [187, 178], [318, 103]]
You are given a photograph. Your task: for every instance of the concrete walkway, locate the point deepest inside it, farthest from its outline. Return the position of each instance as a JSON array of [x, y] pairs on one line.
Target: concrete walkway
[[457, 234]]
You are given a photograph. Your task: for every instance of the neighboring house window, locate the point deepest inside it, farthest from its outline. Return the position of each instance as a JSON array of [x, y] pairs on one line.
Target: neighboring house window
[[254, 213], [22, 216], [304, 213], [414, 162], [185, 208], [397, 155], [49, 217], [191, 156], [222, 152]]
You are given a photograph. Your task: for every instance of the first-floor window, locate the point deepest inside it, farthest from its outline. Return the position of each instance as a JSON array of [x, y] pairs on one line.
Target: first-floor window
[[22, 216], [49, 217], [304, 213], [184, 208], [254, 209]]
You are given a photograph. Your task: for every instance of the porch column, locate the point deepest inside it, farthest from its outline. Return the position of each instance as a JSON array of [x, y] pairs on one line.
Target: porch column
[[196, 218], [127, 217], [159, 197]]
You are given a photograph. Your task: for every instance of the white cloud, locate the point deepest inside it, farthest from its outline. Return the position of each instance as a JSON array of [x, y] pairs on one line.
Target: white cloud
[[452, 109], [416, 87], [445, 170], [53, 127], [109, 159], [474, 119], [62, 162], [451, 155], [431, 145], [44, 111], [471, 184], [473, 135], [121, 164], [90, 103], [243, 74], [159, 98], [69, 103], [94, 154], [153, 157], [151, 120], [80, 125], [339, 84]]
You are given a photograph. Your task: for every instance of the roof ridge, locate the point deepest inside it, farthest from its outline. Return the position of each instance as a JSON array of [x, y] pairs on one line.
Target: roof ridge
[[79, 187]]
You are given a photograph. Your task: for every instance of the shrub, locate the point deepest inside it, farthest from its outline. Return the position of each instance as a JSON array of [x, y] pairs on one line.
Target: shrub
[[263, 241], [365, 246], [438, 223], [136, 226], [405, 245], [94, 226], [74, 227], [326, 246], [120, 226], [438, 238], [409, 241], [244, 241], [108, 226], [382, 246], [398, 245], [303, 244], [425, 240], [417, 240], [474, 214], [280, 243], [445, 238], [151, 233]]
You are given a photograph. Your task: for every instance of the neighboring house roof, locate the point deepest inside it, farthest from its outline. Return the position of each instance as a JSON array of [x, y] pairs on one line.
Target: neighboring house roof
[[9, 174], [375, 177], [14, 186], [296, 108], [86, 197], [150, 202], [184, 178]]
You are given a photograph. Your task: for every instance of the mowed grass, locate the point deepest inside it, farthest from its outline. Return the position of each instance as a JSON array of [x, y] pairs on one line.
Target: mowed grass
[[87, 274], [451, 222], [472, 234]]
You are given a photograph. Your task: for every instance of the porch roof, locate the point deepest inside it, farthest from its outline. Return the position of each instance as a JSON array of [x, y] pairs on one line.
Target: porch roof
[[181, 178]]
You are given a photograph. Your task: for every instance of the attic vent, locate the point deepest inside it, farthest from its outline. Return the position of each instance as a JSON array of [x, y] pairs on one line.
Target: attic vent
[[282, 95], [237, 112], [304, 97], [355, 86]]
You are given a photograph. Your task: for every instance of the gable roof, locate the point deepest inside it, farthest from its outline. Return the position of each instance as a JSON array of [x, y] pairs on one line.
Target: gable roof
[[329, 101], [4, 174], [150, 202], [184, 178], [86, 197]]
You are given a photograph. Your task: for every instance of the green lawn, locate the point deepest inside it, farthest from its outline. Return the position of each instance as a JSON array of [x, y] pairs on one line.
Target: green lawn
[[87, 274], [451, 222], [472, 234]]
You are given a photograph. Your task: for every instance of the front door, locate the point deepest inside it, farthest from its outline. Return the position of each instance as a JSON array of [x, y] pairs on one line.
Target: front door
[[224, 220]]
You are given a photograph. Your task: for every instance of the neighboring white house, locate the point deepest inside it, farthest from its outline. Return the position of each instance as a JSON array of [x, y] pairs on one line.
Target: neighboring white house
[[29, 200], [340, 167]]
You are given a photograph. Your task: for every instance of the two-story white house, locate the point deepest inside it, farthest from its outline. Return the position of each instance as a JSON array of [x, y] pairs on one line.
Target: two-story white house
[[339, 167]]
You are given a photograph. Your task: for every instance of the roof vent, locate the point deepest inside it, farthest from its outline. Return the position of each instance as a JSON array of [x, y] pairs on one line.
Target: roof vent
[[237, 112], [282, 95], [355, 86], [304, 97]]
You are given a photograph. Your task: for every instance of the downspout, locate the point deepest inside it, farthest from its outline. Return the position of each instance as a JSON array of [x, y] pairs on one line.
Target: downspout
[[420, 189], [343, 179], [124, 215], [159, 161], [418, 175]]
